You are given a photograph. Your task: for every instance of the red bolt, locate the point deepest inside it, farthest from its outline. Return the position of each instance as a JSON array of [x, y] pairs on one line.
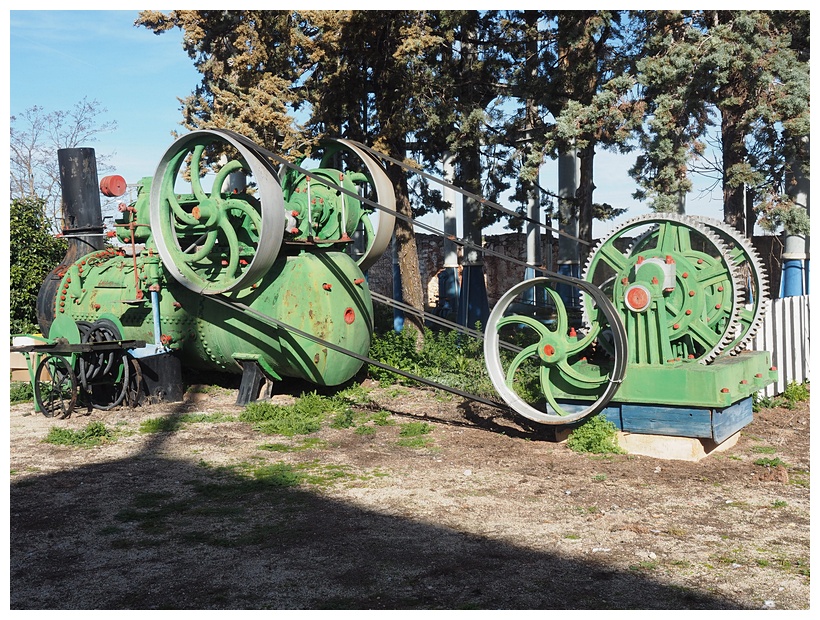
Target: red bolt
[[624, 280], [358, 281], [759, 375], [654, 280], [773, 368], [669, 260], [700, 261], [676, 326], [725, 390], [294, 231], [62, 297], [720, 289], [326, 286], [691, 293], [243, 262], [688, 312], [177, 304], [165, 339], [96, 306], [743, 382], [549, 350], [640, 259], [691, 357], [224, 263], [717, 306], [295, 213], [572, 333], [685, 274]]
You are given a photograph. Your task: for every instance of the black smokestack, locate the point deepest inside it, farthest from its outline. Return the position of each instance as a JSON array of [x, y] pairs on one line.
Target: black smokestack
[[82, 222]]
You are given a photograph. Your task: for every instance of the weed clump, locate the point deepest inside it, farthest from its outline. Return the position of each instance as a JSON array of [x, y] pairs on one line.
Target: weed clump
[[93, 434], [303, 417], [597, 436], [20, 392]]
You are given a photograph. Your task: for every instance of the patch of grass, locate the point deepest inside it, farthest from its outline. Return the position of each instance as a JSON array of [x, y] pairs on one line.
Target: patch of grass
[[793, 394], [597, 435], [779, 503], [94, 434], [645, 565], [20, 392], [307, 443], [303, 417], [412, 435], [172, 423], [414, 429], [767, 462], [365, 430], [764, 449], [599, 477]]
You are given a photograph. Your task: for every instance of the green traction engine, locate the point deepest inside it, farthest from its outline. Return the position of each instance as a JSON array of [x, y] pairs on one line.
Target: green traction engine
[[229, 264], [653, 335]]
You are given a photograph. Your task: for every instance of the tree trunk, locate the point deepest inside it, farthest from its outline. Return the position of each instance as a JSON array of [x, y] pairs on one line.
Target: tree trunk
[[411, 289], [734, 153], [585, 188]]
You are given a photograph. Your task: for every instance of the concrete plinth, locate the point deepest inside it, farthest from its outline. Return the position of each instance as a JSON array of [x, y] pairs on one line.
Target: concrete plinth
[[673, 448]]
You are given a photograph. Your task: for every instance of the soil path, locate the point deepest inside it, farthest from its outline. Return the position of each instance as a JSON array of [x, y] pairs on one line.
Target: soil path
[[482, 513]]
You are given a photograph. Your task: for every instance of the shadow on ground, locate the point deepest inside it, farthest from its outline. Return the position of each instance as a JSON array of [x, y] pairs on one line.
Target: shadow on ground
[[149, 532]]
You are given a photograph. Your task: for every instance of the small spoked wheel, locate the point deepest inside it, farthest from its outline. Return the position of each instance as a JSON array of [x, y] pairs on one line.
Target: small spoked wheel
[[55, 387], [543, 367]]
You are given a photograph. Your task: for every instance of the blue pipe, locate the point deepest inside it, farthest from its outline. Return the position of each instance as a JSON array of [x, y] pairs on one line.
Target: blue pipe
[[795, 278], [155, 311]]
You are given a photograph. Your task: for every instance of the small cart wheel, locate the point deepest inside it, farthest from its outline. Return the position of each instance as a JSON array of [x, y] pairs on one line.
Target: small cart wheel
[[55, 387]]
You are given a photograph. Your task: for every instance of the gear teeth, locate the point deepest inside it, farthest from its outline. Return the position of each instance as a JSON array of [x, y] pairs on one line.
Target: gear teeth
[[705, 227], [758, 273]]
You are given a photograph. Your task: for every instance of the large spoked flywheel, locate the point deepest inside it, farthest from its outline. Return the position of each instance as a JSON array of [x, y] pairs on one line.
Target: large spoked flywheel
[[213, 235], [541, 366], [675, 285]]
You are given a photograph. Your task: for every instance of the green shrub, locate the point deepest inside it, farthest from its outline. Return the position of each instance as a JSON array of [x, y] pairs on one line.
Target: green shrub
[[597, 435], [20, 392]]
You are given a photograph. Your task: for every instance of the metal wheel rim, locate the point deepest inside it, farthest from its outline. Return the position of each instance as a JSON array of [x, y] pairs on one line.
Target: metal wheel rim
[[272, 216], [498, 375]]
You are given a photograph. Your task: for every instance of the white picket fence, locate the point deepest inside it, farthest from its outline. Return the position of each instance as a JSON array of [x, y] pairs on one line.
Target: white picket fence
[[785, 334]]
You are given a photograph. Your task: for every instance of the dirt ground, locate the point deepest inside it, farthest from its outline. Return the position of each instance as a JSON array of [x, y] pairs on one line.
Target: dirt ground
[[490, 514]]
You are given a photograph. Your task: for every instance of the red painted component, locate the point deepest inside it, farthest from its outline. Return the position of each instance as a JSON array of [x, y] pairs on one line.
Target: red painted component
[[113, 186], [549, 350], [326, 286], [350, 316], [358, 281], [637, 298], [725, 390]]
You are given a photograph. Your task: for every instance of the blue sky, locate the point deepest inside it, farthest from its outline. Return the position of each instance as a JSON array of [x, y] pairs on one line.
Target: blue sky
[[59, 57]]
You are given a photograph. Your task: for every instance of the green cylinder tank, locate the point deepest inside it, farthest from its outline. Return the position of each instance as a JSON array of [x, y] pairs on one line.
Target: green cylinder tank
[[322, 293]]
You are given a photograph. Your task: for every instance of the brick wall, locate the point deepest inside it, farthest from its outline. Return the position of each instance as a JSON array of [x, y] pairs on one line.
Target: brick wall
[[501, 275]]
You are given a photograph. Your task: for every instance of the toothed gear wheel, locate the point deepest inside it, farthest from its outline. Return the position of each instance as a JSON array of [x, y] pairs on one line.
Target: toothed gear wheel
[[699, 306], [752, 273]]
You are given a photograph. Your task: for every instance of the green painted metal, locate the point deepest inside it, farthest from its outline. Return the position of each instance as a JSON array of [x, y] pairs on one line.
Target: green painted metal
[[677, 285], [179, 250]]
